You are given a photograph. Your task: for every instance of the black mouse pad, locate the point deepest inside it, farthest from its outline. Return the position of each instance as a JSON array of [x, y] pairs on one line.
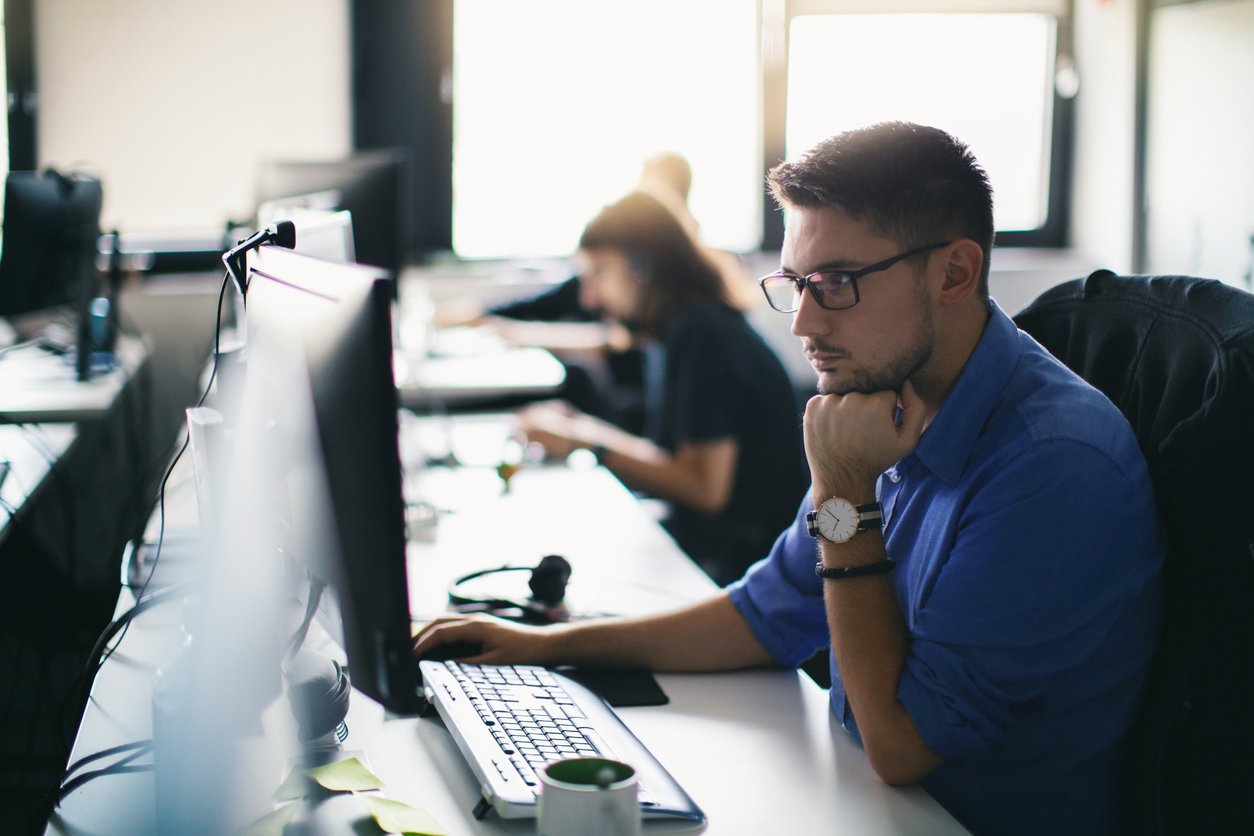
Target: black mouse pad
[[620, 687]]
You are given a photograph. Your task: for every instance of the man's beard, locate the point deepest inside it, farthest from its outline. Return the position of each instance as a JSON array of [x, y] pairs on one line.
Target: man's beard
[[889, 379], [898, 370]]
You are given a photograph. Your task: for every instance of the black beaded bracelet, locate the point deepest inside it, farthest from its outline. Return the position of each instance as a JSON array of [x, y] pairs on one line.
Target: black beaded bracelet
[[836, 573]]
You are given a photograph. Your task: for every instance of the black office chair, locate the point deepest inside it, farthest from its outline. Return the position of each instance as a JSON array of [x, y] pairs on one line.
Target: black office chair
[[1176, 355]]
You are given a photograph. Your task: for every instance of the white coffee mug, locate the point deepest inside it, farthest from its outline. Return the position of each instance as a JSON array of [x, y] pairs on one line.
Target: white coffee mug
[[588, 797]]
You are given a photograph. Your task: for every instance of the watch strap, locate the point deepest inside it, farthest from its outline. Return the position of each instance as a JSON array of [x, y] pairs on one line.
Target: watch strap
[[836, 573], [870, 515]]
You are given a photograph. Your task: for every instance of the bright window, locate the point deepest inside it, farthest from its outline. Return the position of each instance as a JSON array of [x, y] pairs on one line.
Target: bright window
[[986, 78], [558, 102]]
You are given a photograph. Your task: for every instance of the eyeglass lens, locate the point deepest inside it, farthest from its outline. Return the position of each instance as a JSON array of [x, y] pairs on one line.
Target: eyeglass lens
[[834, 290]]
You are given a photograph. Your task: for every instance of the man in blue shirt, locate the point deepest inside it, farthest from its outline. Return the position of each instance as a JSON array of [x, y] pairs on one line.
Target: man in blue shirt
[[987, 545]]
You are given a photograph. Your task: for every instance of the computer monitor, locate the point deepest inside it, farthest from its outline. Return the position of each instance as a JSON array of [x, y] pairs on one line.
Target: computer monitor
[[372, 185], [322, 233], [326, 329], [48, 249]]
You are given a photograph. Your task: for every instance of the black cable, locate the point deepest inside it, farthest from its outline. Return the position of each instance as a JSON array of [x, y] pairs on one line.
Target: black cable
[[119, 768], [213, 373], [152, 569], [76, 694], [120, 623], [99, 656], [140, 746], [217, 339], [97, 659], [88, 674]]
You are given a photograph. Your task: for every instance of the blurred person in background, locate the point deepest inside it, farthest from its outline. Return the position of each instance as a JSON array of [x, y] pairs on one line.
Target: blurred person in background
[[603, 364], [721, 439]]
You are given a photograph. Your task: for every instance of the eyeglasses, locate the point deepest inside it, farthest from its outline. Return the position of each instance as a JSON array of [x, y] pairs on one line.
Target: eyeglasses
[[834, 290]]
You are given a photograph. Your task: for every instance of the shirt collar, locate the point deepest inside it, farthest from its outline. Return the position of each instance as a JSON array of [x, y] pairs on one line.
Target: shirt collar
[[946, 445]]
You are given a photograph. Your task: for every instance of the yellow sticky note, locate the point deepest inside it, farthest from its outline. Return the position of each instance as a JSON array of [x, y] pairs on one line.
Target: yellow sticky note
[[348, 775], [398, 817]]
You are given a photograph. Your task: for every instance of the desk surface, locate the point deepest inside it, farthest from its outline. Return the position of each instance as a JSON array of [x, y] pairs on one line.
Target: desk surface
[[758, 750], [467, 366], [36, 386]]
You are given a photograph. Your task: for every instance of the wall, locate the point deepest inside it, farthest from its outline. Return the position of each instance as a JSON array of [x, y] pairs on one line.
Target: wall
[[1105, 133], [168, 71], [174, 103], [1200, 157]]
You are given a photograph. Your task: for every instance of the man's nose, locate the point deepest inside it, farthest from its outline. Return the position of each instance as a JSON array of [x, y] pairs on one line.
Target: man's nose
[[810, 318]]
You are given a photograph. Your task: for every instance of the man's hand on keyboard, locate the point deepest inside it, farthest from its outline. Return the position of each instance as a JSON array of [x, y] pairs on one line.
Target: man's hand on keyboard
[[498, 642]]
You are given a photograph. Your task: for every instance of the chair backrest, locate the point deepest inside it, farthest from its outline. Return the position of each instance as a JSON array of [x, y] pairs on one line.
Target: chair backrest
[[1176, 355]]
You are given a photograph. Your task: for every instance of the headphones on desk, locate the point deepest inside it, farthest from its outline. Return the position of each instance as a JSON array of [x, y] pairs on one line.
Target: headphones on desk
[[544, 605]]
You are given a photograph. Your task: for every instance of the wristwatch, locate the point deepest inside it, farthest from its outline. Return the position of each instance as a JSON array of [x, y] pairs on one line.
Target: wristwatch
[[837, 520]]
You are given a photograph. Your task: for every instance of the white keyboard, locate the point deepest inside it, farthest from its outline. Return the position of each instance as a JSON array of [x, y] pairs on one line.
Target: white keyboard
[[511, 720]]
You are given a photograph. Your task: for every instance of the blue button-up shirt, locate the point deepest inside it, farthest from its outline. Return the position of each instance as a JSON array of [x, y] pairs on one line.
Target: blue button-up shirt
[[1028, 552]]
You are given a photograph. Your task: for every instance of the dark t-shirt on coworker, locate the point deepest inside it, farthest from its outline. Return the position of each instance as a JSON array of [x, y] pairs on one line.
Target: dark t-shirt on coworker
[[712, 377]]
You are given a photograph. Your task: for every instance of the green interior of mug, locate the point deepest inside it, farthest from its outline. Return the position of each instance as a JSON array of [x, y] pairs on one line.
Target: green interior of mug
[[591, 772]]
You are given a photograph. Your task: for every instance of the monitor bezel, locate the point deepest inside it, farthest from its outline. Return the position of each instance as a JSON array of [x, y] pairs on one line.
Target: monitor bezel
[[342, 315]]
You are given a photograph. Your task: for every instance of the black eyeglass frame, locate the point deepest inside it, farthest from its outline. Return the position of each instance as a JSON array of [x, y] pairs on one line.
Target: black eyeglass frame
[[851, 276]]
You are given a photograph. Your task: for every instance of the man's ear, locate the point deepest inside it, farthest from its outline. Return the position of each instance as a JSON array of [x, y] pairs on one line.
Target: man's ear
[[964, 260]]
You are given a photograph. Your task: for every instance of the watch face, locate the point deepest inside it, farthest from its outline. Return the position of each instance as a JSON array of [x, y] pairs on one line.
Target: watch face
[[837, 519]]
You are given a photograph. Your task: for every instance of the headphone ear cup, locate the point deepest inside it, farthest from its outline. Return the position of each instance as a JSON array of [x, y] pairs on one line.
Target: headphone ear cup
[[318, 690], [549, 578]]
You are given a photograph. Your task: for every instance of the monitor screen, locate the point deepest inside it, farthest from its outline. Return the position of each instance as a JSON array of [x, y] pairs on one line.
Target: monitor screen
[[47, 253], [322, 233], [320, 342], [372, 185]]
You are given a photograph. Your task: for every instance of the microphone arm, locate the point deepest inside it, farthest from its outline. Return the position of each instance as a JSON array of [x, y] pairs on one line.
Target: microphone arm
[[282, 233]]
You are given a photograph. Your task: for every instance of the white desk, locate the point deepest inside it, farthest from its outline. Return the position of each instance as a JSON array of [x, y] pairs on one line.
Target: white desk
[[36, 386], [757, 750], [468, 366]]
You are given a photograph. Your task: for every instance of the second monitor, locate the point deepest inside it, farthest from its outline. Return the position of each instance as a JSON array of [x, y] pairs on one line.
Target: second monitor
[[372, 185]]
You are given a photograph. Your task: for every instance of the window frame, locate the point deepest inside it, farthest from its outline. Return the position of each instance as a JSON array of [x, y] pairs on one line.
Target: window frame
[[19, 58], [777, 17]]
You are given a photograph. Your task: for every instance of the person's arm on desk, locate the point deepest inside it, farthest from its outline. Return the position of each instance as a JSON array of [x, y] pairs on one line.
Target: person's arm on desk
[[699, 476], [850, 439], [707, 636]]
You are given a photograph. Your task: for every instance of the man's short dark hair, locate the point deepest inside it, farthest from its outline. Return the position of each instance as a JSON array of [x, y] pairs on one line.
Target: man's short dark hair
[[911, 183]]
